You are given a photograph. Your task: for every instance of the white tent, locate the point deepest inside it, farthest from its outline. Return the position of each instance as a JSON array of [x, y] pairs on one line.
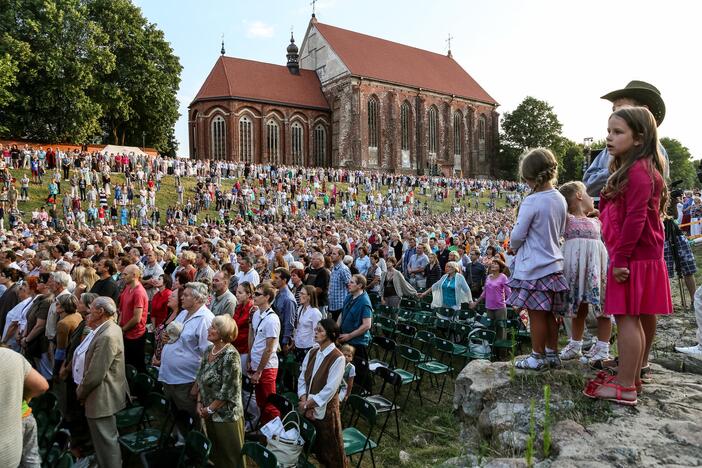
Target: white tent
[[114, 149]]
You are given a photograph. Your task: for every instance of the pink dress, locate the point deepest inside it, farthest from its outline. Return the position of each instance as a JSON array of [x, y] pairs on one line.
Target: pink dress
[[633, 233]]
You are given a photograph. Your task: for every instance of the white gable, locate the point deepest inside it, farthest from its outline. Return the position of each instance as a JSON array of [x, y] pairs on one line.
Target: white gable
[[316, 54]]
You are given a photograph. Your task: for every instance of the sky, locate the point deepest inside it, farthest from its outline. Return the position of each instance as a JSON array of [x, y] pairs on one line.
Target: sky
[[567, 53]]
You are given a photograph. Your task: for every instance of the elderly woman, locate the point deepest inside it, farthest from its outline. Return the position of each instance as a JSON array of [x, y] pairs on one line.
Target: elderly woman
[[180, 360], [318, 389], [218, 391], [16, 319], [394, 286], [34, 343], [451, 290]]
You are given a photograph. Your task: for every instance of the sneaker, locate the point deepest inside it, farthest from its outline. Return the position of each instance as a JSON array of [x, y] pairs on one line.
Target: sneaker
[[597, 353], [534, 361], [553, 361], [571, 351], [694, 351]]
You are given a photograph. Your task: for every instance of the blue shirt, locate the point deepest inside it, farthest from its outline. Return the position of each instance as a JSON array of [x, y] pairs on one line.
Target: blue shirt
[[448, 292], [355, 310], [338, 286], [284, 306]]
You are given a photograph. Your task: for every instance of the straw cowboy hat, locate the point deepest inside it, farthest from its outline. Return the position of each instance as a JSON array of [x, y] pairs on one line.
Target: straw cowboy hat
[[644, 93]]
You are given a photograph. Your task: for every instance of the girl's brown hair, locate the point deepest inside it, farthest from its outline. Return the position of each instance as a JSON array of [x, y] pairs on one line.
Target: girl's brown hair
[[643, 126], [539, 166]]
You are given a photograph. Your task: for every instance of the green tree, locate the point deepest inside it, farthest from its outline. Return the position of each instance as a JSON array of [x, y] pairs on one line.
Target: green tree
[[570, 160], [681, 165], [8, 70], [532, 124], [139, 96], [57, 50]]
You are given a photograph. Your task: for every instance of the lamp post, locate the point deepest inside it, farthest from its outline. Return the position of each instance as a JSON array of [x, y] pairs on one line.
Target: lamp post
[[587, 143]]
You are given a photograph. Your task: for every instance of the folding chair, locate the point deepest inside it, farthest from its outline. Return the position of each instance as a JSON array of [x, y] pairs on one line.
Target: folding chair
[[193, 454], [437, 367], [281, 403], [150, 438], [355, 441], [405, 332], [382, 404], [263, 457], [385, 326], [411, 357], [384, 350], [506, 337], [480, 341]]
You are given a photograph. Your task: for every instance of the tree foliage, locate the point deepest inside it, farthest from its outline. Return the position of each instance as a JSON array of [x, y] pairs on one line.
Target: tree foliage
[[87, 71], [532, 124], [681, 165]]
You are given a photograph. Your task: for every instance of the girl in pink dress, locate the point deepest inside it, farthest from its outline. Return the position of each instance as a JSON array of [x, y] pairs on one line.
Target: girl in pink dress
[[631, 205]]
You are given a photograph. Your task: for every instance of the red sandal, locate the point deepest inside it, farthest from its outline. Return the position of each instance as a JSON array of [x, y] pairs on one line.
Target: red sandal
[[617, 399]]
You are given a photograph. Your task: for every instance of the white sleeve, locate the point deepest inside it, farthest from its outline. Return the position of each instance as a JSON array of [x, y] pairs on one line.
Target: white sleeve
[[301, 384], [336, 373]]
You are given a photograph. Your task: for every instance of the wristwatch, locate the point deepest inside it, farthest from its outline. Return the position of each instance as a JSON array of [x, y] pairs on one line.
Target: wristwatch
[[210, 410]]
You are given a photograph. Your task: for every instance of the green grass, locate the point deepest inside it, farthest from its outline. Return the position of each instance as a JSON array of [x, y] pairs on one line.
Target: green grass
[[167, 195]]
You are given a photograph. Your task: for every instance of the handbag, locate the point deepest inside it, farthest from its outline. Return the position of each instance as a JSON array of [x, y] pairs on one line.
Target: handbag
[[287, 445]]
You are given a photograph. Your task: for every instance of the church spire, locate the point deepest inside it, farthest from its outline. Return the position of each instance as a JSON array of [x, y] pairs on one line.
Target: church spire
[[449, 55], [222, 50], [293, 56]]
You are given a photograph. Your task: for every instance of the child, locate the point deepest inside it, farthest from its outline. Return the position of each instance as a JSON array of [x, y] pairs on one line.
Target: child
[[585, 270], [537, 281], [349, 373], [632, 202]]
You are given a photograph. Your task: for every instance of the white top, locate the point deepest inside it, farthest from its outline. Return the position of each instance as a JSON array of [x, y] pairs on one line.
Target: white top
[[250, 276], [18, 314], [336, 373], [263, 326], [52, 317], [181, 360], [79, 355], [306, 323]]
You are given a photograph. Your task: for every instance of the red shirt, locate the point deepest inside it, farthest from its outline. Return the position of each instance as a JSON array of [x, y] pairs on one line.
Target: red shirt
[[242, 317], [159, 306], [130, 299], [631, 223]]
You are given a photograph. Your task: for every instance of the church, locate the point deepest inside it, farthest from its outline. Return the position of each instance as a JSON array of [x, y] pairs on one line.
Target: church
[[347, 100]]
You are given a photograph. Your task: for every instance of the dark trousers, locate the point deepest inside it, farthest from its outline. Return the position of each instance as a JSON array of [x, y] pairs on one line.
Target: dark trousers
[[360, 362], [134, 352]]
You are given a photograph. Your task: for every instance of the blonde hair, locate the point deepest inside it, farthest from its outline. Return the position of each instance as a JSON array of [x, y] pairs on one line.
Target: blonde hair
[[570, 189], [226, 328], [86, 276], [347, 348]]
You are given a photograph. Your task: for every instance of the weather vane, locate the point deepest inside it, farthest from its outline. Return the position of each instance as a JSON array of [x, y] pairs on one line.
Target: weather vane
[[449, 41], [313, 6]]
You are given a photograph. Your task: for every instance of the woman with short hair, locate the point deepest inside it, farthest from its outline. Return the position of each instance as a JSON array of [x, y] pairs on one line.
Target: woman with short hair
[[451, 290], [308, 316], [218, 392]]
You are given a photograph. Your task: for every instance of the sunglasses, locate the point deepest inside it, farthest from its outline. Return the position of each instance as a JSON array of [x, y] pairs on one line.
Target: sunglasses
[[258, 294]]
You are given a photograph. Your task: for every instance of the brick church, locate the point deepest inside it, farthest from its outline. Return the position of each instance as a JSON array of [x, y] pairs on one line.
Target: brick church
[[350, 100]]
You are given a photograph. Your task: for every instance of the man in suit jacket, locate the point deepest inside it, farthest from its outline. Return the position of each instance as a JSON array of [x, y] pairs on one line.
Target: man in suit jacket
[[103, 388]]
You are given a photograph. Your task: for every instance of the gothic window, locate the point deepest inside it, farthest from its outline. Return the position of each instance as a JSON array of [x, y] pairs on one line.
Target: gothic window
[[405, 124], [273, 141], [245, 140], [297, 145], [482, 123], [218, 131], [320, 146], [373, 123], [481, 128], [433, 131], [457, 134]]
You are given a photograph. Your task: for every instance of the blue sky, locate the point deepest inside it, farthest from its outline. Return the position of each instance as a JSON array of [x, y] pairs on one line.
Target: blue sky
[[567, 53]]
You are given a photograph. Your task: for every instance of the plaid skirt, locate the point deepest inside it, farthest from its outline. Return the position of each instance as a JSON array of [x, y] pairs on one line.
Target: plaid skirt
[[547, 293], [687, 266]]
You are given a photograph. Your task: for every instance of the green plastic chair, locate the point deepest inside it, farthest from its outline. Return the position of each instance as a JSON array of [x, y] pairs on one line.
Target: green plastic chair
[[384, 350], [411, 357], [384, 405], [196, 451], [263, 457], [355, 441], [149, 438], [480, 343], [435, 368]]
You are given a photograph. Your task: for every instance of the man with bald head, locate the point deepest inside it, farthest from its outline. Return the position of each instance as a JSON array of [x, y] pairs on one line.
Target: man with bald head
[[133, 308]]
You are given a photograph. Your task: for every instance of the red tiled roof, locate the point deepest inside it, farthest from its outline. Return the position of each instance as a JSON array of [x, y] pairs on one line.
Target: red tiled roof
[[372, 57], [234, 77]]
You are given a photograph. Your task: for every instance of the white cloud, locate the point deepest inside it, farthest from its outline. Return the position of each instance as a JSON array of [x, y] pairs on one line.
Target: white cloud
[[259, 29]]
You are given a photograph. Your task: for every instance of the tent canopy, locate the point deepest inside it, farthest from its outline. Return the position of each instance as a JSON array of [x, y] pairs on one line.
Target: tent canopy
[[115, 149]]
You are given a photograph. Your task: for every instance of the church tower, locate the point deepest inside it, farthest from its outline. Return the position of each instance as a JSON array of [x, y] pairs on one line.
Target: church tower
[[293, 57]]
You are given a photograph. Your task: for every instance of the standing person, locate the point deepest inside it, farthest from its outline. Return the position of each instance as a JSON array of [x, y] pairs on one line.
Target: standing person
[[106, 285], [496, 292], [284, 305], [263, 343], [218, 392], [585, 269], [416, 268], [355, 322], [223, 301], [320, 376], [308, 316], [58, 285], [475, 273], [450, 290], [318, 276], [159, 303], [98, 365], [133, 309], [637, 280], [242, 317], [181, 359], [338, 282], [537, 281], [394, 286], [20, 383]]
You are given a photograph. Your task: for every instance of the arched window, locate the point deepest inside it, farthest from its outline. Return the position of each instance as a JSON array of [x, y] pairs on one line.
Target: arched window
[[297, 145], [405, 125], [433, 131], [273, 141], [482, 123], [373, 123], [457, 134], [320, 146], [245, 140], [218, 132]]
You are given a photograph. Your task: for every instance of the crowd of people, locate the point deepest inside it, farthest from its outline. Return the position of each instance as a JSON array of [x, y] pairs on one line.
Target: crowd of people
[[223, 308]]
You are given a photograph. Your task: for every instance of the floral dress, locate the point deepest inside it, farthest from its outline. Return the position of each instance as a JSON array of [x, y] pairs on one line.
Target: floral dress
[[585, 264], [221, 380]]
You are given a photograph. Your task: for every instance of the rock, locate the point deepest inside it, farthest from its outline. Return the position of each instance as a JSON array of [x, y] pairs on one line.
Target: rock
[[506, 463], [685, 432], [513, 440], [404, 457], [464, 461], [475, 380], [420, 440]]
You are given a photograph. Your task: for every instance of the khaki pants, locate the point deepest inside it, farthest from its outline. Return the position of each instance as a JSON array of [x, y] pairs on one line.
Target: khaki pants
[[227, 439], [103, 432]]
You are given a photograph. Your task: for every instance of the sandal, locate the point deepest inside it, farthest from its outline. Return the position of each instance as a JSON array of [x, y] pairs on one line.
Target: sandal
[[617, 398], [535, 361], [600, 378]]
